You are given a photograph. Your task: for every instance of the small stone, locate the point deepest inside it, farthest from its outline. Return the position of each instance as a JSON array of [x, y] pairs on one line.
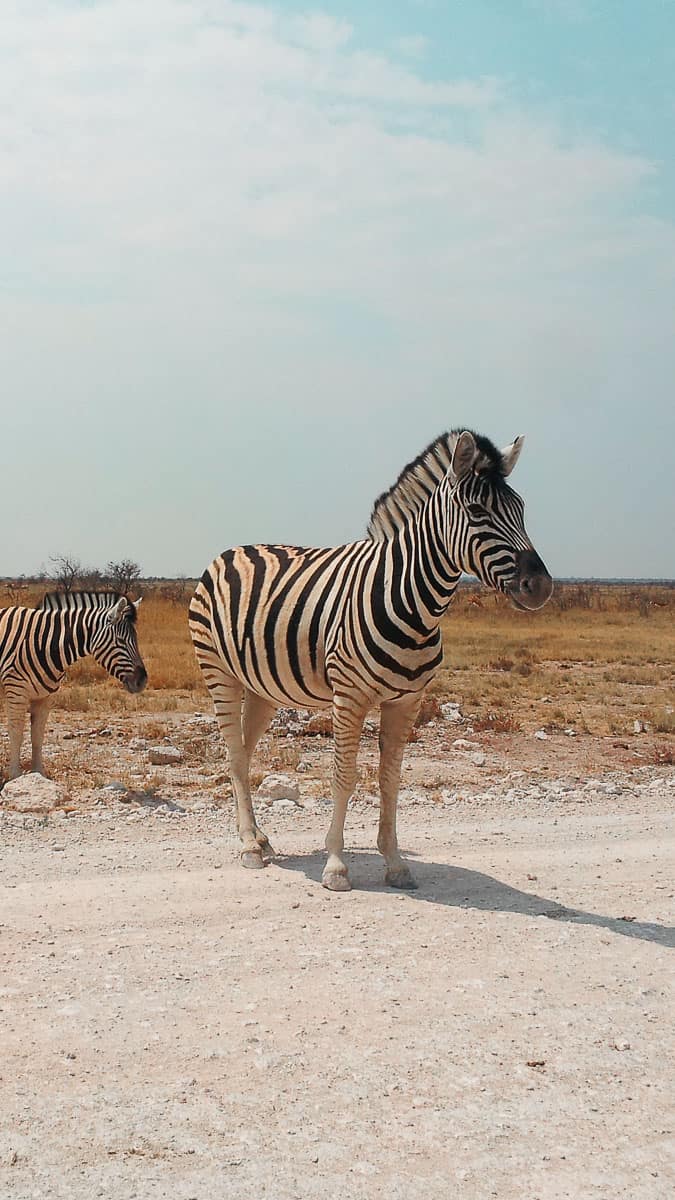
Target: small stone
[[451, 711], [115, 785], [164, 756], [541, 735], [478, 759], [33, 793], [463, 744], [279, 787]]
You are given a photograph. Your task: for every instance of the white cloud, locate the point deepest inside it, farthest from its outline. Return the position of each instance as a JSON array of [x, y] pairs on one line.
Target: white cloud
[[216, 183]]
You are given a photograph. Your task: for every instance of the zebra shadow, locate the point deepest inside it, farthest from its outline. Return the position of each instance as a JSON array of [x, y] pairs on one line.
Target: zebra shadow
[[459, 887]]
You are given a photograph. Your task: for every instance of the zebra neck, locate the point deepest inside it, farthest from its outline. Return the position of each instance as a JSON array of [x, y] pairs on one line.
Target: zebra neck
[[426, 577], [71, 636]]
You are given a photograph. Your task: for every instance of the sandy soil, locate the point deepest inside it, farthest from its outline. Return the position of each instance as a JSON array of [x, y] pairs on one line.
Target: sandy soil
[[173, 1026]]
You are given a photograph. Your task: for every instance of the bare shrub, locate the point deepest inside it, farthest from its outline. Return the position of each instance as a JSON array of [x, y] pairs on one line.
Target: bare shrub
[[66, 571], [176, 591], [121, 576], [496, 723], [430, 710], [501, 664]]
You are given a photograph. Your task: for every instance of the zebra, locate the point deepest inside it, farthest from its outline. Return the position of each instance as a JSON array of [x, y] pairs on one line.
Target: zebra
[[358, 625], [37, 645]]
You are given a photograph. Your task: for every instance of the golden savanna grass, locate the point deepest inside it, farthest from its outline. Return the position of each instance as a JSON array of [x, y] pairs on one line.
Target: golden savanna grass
[[597, 658]]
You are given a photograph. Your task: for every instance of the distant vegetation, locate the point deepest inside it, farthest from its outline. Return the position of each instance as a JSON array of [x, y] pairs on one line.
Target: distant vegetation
[[597, 659]]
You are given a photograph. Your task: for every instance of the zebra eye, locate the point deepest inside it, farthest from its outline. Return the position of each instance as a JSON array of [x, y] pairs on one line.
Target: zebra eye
[[476, 512]]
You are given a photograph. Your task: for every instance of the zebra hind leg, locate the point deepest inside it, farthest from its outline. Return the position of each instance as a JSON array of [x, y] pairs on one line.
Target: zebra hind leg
[[256, 717], [348, 717], [39, 711], [227, 694], [397, 718]]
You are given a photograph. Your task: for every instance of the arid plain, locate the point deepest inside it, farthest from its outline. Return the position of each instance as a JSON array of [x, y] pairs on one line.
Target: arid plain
[[174, 1026]]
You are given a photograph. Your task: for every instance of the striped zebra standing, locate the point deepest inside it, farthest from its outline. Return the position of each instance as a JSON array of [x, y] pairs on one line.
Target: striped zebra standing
[[358, 625], [37, 645]]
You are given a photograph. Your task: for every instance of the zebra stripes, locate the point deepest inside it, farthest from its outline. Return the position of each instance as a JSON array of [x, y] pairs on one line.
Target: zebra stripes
[[358, 625], [37, 645]]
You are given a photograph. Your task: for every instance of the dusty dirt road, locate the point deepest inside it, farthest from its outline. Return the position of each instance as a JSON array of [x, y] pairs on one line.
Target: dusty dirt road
[[173, 1026]]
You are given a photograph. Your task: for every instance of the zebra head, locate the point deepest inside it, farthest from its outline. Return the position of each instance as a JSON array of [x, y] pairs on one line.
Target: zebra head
[[114, 644], [487, 529]]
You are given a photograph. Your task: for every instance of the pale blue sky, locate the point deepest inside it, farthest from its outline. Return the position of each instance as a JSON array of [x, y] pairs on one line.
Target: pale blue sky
[[255, 257]]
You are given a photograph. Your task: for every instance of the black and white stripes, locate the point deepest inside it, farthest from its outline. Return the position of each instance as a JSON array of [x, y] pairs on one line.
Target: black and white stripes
[[358, 625], [37, 645]]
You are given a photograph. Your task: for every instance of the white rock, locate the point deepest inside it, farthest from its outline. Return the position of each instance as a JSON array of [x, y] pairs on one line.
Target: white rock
[[279, 787], [478, 759], [541, 735], [33, 793], [451, 711], [463, 744], [164, 756]]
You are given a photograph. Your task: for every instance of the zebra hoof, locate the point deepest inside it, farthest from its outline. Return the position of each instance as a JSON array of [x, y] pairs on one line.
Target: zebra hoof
[[336, 881], [252, 859], [400, 877], [265, 847]]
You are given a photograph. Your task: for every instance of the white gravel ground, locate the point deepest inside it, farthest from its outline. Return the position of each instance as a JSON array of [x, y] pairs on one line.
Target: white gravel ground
[[174, 1026]]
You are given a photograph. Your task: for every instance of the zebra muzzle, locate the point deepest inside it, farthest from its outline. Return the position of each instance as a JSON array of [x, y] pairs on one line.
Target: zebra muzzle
[[532, 585], [135, 680]]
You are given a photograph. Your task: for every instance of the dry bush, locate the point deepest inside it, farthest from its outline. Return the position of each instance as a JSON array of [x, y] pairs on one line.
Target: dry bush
[[663, 756], [430, 710], [662, 720], [502, 664], [496, 723]]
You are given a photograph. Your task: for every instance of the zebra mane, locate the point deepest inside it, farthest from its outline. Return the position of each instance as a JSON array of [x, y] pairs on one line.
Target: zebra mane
[[420, 478], [74, 601]]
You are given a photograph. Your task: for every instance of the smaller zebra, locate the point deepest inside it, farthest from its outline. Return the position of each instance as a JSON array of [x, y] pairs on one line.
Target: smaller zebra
[[37, 645]]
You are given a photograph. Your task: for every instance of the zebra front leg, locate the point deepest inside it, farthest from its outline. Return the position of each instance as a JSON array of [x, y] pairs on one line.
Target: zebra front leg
[[16, 720], [348, 717], [397, 718], [39, 711]]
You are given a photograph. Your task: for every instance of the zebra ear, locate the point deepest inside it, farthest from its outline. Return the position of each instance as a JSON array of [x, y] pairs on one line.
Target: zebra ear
[[117, 611], [136, 603], [464, 455], [511, 454]]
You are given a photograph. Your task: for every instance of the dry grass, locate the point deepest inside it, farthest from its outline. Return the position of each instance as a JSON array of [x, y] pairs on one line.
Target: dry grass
[[596, 658]]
